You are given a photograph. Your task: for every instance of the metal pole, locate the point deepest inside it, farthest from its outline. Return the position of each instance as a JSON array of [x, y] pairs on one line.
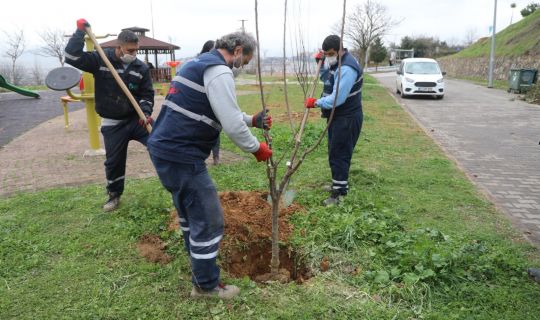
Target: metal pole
[[243, 29], [152, 16], [492, 52]]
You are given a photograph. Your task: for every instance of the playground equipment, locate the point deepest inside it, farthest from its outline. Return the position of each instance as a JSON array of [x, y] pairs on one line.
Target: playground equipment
[[61, 79], [165, 86], [6, 85], [65, 78]]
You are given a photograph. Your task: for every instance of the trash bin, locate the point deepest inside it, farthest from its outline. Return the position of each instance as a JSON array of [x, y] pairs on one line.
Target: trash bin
[[521, 80]]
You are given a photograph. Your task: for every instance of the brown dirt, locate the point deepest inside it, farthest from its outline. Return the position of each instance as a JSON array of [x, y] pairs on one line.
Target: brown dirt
[[297, 116], [246, 246], [153, 249]]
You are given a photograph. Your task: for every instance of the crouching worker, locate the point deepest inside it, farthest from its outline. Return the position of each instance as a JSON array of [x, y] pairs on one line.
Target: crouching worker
[[200, 103]]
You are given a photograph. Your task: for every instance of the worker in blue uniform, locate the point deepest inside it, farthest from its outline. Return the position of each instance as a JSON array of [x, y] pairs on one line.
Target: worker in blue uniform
[[119, 120], [346, 124], [200, 103]]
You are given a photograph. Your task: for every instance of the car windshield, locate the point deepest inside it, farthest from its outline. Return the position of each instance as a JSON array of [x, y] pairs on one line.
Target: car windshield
[[422, 68]]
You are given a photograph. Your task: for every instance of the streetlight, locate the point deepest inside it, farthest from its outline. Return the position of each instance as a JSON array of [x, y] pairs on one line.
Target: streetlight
[[492, 52], [243, 29]]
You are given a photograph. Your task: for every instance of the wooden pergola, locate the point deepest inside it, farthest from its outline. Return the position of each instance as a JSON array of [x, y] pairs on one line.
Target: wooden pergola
[[150, 46]]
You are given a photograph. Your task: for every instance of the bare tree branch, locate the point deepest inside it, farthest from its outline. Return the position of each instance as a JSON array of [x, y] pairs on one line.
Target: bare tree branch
[[15, 48], [367, 22], [285, 92], [55, 43]]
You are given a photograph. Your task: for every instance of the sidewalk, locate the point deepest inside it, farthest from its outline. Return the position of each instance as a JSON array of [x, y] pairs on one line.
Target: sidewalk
[[493, 138], [48, 156]]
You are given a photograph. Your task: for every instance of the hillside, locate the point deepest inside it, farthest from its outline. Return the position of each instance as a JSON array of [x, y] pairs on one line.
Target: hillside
[[521, 38]]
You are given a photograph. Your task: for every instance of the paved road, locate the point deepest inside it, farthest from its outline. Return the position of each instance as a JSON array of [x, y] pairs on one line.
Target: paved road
[[493, 137], [19, 114]]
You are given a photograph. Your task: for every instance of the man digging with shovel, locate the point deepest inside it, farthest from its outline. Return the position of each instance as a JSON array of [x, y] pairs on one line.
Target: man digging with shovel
[[120, 122]]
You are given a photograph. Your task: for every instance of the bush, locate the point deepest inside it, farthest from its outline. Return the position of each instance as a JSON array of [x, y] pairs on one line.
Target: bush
[[533, 95]]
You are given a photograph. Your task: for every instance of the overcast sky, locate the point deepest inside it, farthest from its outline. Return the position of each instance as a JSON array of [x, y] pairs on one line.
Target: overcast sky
[[189, 24]]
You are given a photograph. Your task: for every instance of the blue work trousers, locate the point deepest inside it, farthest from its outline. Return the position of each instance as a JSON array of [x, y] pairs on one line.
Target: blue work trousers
[[343, 134], [201, 217], [116, 139]]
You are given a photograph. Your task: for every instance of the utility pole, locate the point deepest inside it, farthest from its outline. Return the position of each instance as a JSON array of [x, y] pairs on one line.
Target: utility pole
[[492, 52], [152, 16], [243, 29]]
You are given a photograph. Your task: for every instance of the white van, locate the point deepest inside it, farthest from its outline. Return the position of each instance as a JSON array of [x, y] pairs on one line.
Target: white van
[[420, 76]]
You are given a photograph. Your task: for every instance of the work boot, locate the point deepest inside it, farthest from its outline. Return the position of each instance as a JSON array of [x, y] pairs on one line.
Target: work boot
[[334, 199], [222, 291], [113, 202]]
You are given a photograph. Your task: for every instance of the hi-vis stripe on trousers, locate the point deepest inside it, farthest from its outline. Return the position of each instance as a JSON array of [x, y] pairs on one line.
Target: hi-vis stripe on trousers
[[201, 217], [343, 134]]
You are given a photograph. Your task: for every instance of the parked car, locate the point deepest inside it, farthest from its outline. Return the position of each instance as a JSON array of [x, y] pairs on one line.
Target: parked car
[[420, 76]]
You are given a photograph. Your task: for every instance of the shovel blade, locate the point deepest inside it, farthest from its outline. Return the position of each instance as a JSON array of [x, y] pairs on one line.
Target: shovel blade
[[286, 199]]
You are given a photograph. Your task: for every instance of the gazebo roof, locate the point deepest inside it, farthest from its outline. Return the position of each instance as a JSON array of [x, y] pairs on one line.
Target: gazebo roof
[[145, 43]]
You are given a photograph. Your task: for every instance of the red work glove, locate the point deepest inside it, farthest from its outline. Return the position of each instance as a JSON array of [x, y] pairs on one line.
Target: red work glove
[[310, 103], [264, 153], [148, 120], [82, 24], [258, 120], [319, 56]]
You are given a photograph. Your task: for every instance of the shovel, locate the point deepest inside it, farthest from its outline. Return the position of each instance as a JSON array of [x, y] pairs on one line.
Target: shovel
[[117, 78]]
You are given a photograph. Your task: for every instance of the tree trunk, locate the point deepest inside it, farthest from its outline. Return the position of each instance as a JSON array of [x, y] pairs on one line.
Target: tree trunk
[[274, 262]]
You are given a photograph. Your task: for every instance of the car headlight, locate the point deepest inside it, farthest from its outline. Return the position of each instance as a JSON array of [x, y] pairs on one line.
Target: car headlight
[[409, 79], [441, 80]]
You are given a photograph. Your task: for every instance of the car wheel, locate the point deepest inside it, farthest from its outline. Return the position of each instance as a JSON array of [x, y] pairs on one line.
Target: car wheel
[[403, 95], [440, 97]]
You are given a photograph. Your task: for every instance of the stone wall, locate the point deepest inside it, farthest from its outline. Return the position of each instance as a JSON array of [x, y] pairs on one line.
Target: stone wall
[[478, 67]]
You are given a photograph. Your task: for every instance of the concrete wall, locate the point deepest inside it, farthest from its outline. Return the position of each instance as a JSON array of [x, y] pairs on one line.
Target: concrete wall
[[478, 67]]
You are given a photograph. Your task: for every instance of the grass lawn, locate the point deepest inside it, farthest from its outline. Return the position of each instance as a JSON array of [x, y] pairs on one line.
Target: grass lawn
[[413, 240]]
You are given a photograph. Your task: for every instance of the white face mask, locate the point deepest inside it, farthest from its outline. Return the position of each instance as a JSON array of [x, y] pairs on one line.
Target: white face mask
[[331, 60], [127, 58]]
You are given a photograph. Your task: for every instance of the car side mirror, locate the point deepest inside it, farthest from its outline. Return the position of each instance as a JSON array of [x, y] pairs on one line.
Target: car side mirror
[[444, 73]]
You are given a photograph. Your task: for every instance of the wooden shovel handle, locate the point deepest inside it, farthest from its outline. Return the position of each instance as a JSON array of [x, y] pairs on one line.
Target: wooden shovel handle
[[117, 78]]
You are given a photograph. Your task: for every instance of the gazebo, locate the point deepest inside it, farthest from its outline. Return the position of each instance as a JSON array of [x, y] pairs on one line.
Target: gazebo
[[147, 46]]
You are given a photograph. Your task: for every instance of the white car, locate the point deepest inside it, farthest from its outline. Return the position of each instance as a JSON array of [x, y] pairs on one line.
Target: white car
[[420, 76]]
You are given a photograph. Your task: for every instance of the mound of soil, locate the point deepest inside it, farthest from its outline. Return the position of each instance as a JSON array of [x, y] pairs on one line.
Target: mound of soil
[[246, 246], [152, 248]]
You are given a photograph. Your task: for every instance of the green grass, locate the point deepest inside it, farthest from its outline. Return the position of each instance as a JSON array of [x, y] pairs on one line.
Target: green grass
[[413, 240], [520, 38], [497, 84]]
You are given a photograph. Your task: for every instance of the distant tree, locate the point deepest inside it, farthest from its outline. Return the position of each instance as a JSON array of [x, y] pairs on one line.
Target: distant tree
[[37, 74], [55, 43], [530, 8], [15, 48], [428, 46], [367, 21], [378, 52]]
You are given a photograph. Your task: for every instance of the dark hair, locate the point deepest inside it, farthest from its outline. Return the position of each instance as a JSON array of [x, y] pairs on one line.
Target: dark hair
[[127, 36], [235, 39], [331, 42], [208, 45]]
